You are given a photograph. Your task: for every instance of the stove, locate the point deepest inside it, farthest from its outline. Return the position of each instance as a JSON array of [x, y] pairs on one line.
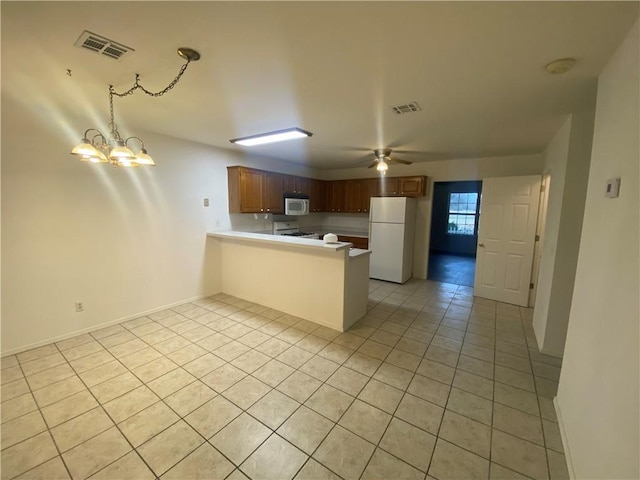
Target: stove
[[292, 229]]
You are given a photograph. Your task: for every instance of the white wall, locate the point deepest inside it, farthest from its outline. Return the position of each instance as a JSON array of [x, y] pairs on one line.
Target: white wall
[[598, 396], [567, 161], [123, 242]]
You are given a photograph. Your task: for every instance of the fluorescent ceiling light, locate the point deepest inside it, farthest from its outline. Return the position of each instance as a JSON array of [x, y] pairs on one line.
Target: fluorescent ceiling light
[[270, 137]]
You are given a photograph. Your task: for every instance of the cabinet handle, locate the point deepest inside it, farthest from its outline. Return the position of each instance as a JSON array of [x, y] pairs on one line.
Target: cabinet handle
[[262, 209], [268, 210]]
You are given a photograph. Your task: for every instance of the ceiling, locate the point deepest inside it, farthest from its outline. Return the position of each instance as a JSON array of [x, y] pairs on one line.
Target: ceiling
[[333, 68]]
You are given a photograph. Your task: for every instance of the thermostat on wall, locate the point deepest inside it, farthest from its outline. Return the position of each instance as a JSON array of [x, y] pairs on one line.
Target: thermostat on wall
[[613, 188]]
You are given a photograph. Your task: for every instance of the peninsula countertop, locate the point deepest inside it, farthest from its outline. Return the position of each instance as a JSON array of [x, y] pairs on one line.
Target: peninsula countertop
[[295, 242]]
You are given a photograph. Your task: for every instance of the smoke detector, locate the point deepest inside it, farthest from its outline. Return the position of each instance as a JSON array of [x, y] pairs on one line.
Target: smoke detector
[[102, 45], [562, 65]]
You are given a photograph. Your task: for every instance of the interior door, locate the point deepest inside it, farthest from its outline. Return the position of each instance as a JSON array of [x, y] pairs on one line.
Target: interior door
[[506, 237]]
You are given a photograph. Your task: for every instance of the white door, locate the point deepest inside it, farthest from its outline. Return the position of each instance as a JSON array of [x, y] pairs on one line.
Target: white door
[[506, 237]]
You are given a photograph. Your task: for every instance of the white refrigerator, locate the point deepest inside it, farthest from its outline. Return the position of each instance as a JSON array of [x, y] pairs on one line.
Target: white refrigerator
[[391, 229]]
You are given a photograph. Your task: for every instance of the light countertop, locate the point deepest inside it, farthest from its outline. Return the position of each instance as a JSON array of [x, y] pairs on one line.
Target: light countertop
[[282, 240]]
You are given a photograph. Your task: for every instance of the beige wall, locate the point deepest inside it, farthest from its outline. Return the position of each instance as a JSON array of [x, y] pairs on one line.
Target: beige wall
[[123, 242], [598, 396], [444, 171], [555, 163], [127, 242], [567, 161]]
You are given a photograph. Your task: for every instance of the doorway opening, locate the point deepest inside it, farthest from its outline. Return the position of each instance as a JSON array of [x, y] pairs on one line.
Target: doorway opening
[[454, 232]]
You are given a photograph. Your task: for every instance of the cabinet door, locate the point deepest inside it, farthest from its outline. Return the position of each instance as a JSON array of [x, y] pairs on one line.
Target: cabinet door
[[389, 187], [335, 196], [293, 184], [353, 191], [289, 183], [303, 185], [273, 192], [370, 188], [317, 194], [251, 191], [412, 186]]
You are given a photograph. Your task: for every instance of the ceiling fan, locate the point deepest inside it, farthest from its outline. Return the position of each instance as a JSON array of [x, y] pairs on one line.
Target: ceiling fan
[[383, 158]]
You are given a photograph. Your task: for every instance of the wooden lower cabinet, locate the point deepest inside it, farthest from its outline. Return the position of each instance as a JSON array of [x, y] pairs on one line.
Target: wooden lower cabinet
[[358, 242]]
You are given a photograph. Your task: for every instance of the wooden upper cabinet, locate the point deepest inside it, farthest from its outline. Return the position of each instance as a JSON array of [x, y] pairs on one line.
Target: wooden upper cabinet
[[317, 195], [335, 196], [259, 191], [402, 186], [371, 188], [358, 193], [251, 191], [412, 186], [273, 192], [299, 185], [389, 187], [352, 196], [254, 191]]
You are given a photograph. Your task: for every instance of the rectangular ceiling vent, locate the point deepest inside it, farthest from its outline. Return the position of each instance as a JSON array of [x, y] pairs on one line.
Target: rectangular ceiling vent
[[406, 108], [102, 45]]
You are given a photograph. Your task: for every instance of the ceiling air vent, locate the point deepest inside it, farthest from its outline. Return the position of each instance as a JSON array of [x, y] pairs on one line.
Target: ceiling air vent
[[102, 45], [406, 108]]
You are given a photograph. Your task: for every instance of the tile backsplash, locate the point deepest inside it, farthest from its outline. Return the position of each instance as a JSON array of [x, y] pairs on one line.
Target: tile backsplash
[[328, 222], [263, 223], [250, 222]]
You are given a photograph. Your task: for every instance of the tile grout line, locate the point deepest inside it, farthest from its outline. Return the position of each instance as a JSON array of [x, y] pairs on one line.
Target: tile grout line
[[314, 354]]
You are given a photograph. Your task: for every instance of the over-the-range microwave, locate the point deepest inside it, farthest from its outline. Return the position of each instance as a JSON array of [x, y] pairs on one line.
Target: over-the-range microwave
[[296, 204]]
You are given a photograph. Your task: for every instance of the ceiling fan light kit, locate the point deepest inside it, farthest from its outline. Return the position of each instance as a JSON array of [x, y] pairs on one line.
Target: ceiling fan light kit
[[271, 137], [114, 149], [383, 158], [382, 166]]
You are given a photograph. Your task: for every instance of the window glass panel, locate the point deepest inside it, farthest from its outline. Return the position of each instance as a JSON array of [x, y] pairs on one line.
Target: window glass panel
[[463, 209]]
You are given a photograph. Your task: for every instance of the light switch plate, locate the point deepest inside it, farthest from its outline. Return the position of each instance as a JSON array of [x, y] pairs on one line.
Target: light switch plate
[[206, 202], [613, 188]]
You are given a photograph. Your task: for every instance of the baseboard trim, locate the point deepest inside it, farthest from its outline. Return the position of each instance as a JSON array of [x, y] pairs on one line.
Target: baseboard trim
[[75, 333], [563, 436]]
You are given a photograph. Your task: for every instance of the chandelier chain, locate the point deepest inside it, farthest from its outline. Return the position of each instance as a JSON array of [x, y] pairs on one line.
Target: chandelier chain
[[137, 85]]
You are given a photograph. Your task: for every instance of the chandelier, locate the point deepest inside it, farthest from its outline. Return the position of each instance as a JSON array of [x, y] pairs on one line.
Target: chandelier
[[95, 147]]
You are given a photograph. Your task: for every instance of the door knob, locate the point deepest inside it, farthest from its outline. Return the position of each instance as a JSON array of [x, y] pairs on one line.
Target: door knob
[[481, 244]]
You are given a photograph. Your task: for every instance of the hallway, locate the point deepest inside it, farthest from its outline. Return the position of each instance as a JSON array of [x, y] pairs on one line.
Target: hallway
[[454, 269]]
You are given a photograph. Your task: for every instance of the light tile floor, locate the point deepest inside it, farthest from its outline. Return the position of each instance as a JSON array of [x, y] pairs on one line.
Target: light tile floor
[[431, 383]]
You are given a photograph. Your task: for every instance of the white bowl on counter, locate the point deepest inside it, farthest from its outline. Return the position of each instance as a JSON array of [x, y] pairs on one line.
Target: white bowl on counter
[[330, 238]]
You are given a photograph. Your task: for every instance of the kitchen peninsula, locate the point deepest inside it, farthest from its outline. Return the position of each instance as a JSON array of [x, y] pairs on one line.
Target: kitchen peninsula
[[324, 283]]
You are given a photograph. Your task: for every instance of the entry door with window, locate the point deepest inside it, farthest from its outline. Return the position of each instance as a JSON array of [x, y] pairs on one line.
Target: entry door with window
[[506, 237]]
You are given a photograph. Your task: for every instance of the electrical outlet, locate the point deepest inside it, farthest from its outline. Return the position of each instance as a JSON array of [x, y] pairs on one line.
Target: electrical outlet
[[206, 202], [79, 307]]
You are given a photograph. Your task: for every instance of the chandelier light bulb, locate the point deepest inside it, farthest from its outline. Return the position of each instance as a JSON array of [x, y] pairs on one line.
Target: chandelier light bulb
[[143, 158]]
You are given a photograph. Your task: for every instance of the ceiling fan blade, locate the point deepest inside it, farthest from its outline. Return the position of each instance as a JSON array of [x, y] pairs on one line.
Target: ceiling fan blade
[[375, 162], [398, 160]]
